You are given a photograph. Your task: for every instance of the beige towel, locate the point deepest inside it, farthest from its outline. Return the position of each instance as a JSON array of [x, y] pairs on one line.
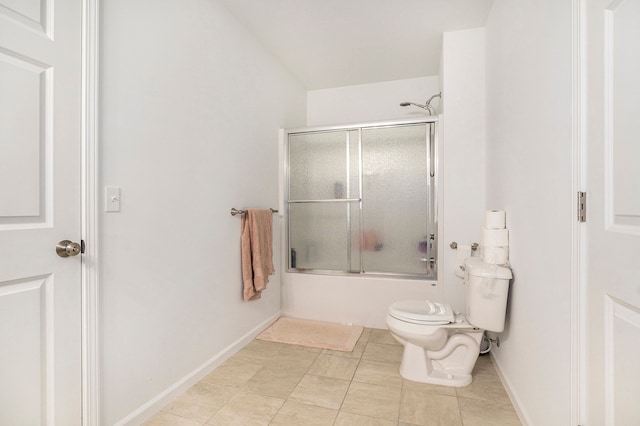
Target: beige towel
[[257, 251]]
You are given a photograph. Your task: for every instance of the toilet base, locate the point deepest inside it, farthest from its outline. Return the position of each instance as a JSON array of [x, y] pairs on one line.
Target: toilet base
[[443, 379], [449, 365], [415, 367]]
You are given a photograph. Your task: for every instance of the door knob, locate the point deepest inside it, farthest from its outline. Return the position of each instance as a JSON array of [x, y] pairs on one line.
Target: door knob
[[66, 248]]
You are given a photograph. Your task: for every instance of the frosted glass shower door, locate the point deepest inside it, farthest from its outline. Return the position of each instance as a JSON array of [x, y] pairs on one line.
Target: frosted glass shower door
[[324, 201], [362, 200], [395, 196]]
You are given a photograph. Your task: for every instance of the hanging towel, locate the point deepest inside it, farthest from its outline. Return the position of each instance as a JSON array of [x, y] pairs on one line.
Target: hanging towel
[[257, 251]]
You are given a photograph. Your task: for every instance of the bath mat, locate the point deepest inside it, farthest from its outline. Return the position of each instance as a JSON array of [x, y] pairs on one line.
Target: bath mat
[[313, 333]]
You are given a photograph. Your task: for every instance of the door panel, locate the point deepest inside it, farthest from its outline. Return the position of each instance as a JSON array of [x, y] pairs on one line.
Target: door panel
[[34, 14], [613, 271], [622, 88], [40, 147], [319, 169], [395, 199], [25, 310], [25, 115], [622, 383]]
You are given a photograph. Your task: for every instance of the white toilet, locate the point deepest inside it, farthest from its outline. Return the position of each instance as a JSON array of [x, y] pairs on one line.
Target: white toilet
[[441, 347]]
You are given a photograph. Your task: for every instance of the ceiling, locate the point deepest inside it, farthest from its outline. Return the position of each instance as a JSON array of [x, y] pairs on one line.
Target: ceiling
[[333, 43]]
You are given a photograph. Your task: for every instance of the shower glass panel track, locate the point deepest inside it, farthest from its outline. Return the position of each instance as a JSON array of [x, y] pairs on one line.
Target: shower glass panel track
[[361, 199]]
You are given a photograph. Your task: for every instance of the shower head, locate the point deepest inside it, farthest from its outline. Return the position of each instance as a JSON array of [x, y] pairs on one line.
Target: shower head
[[404, 104], [437, 95], [427, 106]]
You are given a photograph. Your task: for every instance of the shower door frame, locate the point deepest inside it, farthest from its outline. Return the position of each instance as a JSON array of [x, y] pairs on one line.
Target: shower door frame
[[433, 163]]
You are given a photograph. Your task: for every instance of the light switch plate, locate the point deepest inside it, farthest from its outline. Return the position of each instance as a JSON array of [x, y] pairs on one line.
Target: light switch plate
[[112, 198]]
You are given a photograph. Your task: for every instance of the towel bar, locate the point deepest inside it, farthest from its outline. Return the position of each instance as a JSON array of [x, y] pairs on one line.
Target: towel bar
[[454, 246], [235, 211]]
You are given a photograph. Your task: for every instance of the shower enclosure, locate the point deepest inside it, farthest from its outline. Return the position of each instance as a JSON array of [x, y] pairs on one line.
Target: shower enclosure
[[362, 199]]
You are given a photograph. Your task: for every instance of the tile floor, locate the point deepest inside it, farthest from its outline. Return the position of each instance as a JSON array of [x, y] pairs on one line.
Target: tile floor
[[275, 384]]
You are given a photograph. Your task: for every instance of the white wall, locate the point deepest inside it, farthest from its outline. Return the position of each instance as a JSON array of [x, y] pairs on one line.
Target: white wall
[[529, 176], [370, 102], [463, 105], [190, 116]]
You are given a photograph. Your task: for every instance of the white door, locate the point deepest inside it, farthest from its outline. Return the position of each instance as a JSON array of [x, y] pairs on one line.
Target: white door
[[612, 329], [40, 292]]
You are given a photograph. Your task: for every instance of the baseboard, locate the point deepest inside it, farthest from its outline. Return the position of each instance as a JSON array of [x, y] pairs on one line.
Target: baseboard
[[154, 405], [515, 401]]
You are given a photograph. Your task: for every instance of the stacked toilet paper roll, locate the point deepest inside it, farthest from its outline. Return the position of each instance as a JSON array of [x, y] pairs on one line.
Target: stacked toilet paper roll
[[495, 219], [494, 242]]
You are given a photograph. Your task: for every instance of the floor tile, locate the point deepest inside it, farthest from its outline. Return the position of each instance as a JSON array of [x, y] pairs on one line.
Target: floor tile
[[484, 413], [259, 344], [487, 388], [234, 372], [378, 373], [166, 419], [383, 352], [429, 409], [366, 335], [337, 367], [295, 413], [247, 409], [321, 391], [484, 365], [275, 356], [428, 387], [350, 419], [356, 353], [382, 336], [200, 402], [277, 382], [274, 383], [372, 400]]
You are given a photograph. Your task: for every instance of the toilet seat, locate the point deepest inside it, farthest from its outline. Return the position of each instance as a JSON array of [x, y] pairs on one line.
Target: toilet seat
[[422, 312]]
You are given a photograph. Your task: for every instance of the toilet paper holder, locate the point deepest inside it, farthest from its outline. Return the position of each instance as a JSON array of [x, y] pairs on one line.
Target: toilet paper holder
[[454, 246]]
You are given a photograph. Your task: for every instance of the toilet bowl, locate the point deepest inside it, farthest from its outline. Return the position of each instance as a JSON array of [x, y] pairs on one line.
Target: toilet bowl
[[441, 354], [441, 347]]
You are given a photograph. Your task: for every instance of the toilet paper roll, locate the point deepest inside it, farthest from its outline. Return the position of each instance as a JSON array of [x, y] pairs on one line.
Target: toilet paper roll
[[495, 219], [494, 237], [495, 255]]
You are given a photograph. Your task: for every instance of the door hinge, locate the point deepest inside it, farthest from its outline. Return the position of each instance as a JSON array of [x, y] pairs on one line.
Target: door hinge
[[582, 206]]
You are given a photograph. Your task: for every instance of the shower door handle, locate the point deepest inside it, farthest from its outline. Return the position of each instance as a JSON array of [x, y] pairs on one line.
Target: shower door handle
[[430, 262], [432, 161]]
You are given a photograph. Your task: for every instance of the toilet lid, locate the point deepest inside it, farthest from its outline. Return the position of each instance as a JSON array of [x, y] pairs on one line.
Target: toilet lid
[[422, 312]]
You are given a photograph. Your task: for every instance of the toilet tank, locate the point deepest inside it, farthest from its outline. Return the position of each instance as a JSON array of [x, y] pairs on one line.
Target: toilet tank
[[487, 287]]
